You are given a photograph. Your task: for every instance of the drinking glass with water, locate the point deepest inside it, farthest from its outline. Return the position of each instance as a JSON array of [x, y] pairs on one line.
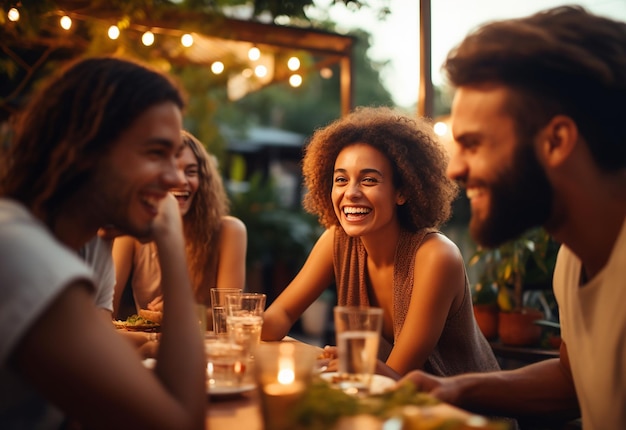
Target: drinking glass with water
[[218, 307], [358, 330], [244, 319]]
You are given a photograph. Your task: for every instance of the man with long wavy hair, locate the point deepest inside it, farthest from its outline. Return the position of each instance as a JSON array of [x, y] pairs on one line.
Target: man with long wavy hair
[[97, 146]]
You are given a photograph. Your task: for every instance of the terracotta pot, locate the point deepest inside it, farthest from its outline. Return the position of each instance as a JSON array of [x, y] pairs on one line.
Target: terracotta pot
[[516, 328], [487, 319], [554, 341]]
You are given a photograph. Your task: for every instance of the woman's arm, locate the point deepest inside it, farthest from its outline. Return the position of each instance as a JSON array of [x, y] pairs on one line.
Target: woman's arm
[[231, 269], [97, 377], [123, 257], [438, 288], [314, 277]]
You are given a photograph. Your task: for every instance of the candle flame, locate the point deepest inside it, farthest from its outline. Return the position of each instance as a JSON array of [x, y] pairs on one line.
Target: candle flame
[[286, 365], [286, 374]]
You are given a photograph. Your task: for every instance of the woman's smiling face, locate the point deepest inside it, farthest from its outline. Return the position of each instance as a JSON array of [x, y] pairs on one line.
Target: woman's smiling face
[[188, 172], [363, 193]]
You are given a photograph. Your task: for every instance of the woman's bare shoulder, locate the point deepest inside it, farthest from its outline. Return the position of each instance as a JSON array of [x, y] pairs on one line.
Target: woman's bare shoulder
[[438, 247], [125, 244], [233, 224]]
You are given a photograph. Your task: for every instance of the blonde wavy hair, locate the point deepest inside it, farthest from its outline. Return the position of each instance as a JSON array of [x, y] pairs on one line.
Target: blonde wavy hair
[[202, 223]]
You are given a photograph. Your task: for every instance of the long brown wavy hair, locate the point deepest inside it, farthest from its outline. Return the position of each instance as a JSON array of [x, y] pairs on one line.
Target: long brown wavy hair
[[202, 223], [418, 160], [68, 125]]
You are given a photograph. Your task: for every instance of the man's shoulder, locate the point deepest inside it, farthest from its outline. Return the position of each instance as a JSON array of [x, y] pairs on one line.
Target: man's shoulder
[[12, 211], [22, 235], [18, 224]]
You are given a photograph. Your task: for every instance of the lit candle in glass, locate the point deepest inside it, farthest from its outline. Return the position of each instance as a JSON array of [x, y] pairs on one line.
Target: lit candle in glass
[[283, 378]]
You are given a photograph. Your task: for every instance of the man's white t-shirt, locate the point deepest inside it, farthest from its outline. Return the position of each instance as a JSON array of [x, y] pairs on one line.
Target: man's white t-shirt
[[593, 326], [97, 254], [34, 269]]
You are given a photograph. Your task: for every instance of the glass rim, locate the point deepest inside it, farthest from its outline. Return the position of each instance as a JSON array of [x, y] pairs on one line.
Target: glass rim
[[359, 308]]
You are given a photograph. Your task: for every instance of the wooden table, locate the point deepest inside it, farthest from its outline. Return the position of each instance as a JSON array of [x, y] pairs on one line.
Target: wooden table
[[243, 411], [239, 411], [235, 412]]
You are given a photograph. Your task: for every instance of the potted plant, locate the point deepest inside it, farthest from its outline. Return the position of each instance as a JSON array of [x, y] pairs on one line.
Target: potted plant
[[485, 304], [518, 265]]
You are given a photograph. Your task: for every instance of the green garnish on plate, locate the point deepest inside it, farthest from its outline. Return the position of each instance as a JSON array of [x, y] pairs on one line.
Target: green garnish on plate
[[323, 405]]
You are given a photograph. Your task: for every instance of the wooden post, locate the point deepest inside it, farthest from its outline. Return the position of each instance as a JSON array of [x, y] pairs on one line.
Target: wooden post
[[346, 84], [425, 92]]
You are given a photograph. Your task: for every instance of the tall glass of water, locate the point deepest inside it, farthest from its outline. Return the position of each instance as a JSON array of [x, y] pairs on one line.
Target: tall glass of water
[[358, 330], [218, 307], [244, 319]]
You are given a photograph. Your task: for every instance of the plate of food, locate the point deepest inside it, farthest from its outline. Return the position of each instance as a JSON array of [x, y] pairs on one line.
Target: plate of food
[[137, 323], [379, 384]]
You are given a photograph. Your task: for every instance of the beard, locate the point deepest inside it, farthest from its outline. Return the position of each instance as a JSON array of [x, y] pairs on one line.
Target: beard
[[114, 204], [521, 198]]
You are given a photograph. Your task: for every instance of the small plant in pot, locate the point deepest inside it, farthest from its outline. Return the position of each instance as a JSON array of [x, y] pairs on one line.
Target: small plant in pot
[[484, 299], [518, 265]]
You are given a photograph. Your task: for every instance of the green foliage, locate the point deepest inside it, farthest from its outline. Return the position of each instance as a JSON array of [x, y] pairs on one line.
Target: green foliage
[[276, 233], [206, 99], [484, 293], [323, 405], [526, 261]]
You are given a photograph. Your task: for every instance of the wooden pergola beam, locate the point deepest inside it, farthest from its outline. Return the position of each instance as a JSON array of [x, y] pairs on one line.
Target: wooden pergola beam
[[334, 47]]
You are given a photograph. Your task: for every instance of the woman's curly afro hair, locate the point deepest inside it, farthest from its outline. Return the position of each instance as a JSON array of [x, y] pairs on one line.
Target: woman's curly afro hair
[[418, 160]]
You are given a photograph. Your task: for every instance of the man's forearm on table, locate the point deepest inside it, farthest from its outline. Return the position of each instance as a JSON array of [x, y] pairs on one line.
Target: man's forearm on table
[[542, 388]]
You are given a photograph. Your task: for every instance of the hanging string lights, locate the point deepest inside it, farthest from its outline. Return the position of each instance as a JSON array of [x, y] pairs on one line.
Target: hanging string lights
[[261, 65]]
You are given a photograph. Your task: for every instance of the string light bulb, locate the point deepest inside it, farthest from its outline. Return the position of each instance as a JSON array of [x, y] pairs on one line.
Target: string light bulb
[[113, 32], [147, 38], [326, 73], [186, 40], [293, 64], [13, 14], [66, 22], [295, 80], [254, 53], [440, 128], [260, 71], [217, 67]]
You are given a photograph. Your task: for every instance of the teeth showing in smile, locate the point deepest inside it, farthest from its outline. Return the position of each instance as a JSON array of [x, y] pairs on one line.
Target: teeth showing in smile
[[356, 210], [180, 195], [472, 192]]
